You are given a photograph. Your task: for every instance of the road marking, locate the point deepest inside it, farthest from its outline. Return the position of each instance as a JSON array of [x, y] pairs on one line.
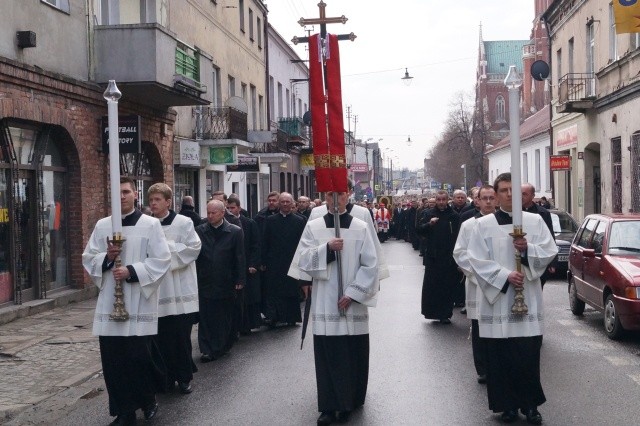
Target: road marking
[[620, 361], [581, 333], [635, 377]]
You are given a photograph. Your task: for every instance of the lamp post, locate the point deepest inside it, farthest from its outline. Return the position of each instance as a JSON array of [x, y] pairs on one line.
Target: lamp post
[[513, 81], [464, 166], [112, 95]]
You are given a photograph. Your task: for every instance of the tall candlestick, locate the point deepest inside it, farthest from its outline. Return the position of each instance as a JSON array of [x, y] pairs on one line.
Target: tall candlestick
[[112, 95]]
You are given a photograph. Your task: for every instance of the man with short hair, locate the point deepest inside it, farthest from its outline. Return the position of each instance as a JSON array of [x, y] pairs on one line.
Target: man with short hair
[[188, 209], [340, 321], [178, 291], [486, 201], [382, 217], [222, 197], [221, 272], [440, 227], [280, 236], [304, 206], [513, 341], [269, 210], [126, 347], [459, 201], [528, 194], [248, 304]]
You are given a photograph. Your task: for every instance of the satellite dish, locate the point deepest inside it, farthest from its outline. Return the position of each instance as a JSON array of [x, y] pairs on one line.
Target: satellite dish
[[306, 118], [539, 70], [238, 103]]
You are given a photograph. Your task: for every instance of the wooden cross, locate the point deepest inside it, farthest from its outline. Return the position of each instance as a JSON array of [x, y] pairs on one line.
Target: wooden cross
[[323, 21]]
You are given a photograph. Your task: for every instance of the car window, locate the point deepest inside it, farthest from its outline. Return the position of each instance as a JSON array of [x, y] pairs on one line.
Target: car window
[[625, 238], [586, 233], [563, 222], [598, 237]]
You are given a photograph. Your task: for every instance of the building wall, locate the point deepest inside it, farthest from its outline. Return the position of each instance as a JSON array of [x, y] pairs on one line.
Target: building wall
[[41, 97], [56, 31]]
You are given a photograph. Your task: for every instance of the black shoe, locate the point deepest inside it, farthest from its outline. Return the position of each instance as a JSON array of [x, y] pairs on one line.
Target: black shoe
[[482, 379], [204, 358], [533, 416], [151, 411], [185, 387], [445, 321], [509, 416], [463, 311], [343, 416], [128, 419], [326, 418]]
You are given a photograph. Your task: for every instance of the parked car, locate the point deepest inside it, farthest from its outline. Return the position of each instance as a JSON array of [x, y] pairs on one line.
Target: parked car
[[564, 228], [604, 270]]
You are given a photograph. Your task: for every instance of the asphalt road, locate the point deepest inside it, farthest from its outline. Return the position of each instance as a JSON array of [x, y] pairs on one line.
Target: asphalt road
[[421, 372]]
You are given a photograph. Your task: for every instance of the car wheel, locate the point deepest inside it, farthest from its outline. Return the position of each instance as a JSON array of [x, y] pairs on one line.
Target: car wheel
[[576, 305], [612, 325]]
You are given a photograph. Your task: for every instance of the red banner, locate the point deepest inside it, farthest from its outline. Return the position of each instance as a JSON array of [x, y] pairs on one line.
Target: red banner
[[326, 116], [560, 162]]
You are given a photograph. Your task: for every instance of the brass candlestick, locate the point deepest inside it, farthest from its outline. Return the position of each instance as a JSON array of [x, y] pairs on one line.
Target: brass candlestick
[[119, 312], [519, 307]]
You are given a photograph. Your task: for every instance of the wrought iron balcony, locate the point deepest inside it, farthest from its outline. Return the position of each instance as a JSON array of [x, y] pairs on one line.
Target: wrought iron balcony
[[295, 129], [279, 143], [576, 92], [219, 123]]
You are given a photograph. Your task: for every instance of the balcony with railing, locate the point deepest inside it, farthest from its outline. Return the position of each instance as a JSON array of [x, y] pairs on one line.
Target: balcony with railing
[[576, 92], [150, 65], [295, 129], [219, 123]]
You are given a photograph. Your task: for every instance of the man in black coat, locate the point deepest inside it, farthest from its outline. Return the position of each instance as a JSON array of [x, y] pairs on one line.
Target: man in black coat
[[188, 209], [280, 237], [221, 272], [270, 210], [248, 303], [440, 227], [528, 193]]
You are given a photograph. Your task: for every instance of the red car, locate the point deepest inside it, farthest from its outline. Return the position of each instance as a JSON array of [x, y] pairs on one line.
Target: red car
[[604, 270]]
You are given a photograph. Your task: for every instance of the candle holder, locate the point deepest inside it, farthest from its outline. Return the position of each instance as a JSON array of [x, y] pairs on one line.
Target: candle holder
[[518, 307], [119, 312]]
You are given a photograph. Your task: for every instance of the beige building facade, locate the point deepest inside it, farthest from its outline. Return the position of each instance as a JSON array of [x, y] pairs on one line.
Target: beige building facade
[[595, 103]]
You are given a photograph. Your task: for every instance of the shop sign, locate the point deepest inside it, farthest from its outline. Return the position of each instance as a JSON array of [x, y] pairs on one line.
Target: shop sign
[[359, 167], [566, 138], [222, 155], [560, 162], [306, 161], [245, 164], [129, 132], [186, 153]]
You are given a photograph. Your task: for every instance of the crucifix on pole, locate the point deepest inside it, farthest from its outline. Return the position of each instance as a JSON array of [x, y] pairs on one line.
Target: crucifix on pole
[[325, 93]]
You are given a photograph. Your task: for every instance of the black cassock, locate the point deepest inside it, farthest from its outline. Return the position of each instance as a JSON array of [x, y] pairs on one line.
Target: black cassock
[[440, 268], [281, 235]]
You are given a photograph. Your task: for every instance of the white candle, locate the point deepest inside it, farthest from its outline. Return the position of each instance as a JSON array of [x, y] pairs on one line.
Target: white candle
[[513, 83], [112, 94]]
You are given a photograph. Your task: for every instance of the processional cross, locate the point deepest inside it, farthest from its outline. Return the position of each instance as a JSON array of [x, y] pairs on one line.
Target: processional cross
[[327, 121]]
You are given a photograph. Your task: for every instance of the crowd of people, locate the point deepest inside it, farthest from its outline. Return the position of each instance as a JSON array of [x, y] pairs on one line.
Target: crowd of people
[[234, 275]]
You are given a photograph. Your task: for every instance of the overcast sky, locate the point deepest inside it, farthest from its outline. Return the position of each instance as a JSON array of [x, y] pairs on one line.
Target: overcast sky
[[436, 40]]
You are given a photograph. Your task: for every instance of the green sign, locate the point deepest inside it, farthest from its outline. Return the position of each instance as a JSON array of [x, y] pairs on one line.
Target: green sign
[[222, 155]]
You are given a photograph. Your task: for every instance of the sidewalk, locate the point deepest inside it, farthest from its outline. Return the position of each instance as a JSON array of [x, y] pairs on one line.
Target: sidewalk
[[45, 354]]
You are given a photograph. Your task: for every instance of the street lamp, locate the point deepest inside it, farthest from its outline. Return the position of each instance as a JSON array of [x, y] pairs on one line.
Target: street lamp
[[464, 166], [407, 78]]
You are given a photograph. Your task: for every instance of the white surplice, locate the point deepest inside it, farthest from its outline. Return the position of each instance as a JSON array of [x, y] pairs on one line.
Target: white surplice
[[492, 258], [461, 256], [359, 271], [147, 251], [178, 291], [358, 212]]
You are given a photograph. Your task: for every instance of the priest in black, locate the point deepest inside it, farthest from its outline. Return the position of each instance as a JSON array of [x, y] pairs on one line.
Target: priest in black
[[281, 234], [221, 272], [440, 227]]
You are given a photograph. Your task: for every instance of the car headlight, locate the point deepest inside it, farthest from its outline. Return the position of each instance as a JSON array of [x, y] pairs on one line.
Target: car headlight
[[632, 292]]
